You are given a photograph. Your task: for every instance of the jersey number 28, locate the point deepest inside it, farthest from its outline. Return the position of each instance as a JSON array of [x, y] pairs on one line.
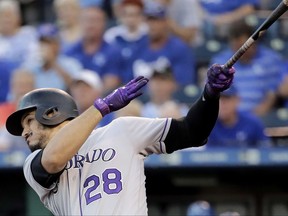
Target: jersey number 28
[[112, 184]]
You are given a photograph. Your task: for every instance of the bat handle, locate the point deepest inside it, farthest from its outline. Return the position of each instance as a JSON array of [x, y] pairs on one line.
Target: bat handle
[[239, 53]]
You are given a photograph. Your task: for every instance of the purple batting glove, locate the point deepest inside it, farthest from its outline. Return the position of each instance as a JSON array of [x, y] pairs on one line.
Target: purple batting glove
[[219, 79], [120, 97]]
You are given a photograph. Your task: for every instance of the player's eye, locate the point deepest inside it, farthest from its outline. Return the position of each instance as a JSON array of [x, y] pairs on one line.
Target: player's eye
[[29, 120]]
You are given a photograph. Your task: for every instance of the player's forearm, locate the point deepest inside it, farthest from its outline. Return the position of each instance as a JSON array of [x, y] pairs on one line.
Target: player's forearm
[[194, 129], [66, 143]]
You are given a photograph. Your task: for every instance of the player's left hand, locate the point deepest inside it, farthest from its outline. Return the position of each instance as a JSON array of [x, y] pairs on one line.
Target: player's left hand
[[219, 79], [121, 97]]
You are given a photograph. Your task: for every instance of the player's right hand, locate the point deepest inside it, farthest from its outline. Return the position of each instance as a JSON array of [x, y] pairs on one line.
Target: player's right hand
[[122, 96], [219, 79]]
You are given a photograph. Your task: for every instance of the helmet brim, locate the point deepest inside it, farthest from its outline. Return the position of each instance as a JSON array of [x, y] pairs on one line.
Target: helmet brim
[[13, 122]]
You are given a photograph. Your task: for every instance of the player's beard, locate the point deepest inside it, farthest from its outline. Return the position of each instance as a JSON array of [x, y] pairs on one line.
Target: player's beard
[[42, 139], [34, 147], [39, 144]]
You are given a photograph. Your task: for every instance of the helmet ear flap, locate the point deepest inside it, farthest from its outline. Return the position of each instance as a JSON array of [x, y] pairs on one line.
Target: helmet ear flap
[[51, 113]]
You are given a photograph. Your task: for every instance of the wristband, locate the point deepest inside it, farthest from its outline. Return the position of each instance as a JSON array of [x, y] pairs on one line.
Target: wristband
[[102, 107]]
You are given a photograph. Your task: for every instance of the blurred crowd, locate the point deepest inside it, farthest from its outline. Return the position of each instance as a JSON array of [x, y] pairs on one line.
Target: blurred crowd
[[204, 208], [90, 47]]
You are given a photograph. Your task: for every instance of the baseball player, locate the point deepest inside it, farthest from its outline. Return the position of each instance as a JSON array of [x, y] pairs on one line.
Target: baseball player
[[79, 170]]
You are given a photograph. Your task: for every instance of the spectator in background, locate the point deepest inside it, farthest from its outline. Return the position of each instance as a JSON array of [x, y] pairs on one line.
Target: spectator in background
[[93, 52], [185, 19], [87, 86], [200, 208], [161, 87], [162, 48], [19, 44], [68, 22], [116, 8], [56, 70], [282, 92], [132, 109], [220, 15], [130, 33], [91, 3], [106, 5], [172, 108], [258, 71], [6, 70], [22, 81], [223, 12], [234, 128]]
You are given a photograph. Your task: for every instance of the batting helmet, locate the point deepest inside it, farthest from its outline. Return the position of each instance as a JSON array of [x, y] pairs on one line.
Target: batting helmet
[[45, 101]]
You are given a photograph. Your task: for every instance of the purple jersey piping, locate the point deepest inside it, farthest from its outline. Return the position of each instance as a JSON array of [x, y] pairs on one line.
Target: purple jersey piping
[[81, 211]]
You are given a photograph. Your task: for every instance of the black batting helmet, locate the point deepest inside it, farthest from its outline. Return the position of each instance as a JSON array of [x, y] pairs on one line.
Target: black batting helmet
[[45, 101]]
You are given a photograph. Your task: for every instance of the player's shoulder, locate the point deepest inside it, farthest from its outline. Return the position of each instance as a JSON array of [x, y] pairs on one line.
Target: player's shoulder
[[31, 156], [113, 123], [124, 120], [127, 123], [28, 161], [117, 125]]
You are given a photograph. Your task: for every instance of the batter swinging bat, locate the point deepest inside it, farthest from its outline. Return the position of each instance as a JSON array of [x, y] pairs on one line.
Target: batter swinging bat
[[281, 9]]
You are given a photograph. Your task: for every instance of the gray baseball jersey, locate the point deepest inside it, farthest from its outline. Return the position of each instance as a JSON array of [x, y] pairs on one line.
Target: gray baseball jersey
[[106, 177]]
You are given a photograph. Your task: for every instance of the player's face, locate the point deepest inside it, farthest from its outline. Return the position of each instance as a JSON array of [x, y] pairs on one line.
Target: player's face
[[35, 134]]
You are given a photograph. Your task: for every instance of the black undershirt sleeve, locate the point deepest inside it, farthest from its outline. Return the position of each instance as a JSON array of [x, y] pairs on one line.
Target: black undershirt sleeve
[[44, 178], [193, 130]]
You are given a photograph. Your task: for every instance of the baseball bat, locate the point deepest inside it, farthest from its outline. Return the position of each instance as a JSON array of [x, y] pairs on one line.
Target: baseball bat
[[275, 14]]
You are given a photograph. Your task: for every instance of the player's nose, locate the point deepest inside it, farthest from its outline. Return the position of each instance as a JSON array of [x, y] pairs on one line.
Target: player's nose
[[25, 132]]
